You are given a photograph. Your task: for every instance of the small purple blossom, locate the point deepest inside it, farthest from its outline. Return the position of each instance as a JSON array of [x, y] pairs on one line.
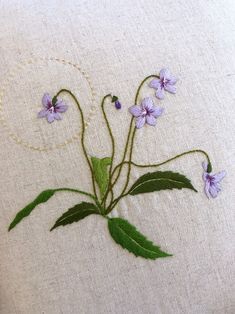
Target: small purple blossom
[[118, 105], [165, 82], [147, 112], [212, 181], [50, 111]]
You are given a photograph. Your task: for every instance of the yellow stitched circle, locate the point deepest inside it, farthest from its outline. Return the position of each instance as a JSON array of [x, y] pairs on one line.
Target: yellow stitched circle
[[7, 85]]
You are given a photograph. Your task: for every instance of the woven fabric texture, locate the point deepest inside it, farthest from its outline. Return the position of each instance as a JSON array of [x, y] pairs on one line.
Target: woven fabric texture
[[94, 48]]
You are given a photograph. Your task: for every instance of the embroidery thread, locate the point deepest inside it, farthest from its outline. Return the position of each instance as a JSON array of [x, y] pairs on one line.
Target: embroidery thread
[[105, 175]]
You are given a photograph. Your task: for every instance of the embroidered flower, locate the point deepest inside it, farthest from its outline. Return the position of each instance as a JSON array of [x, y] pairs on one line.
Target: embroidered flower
[[165, 82], [52, 111], [116, 102], [212, 181], [118, 105], [146, 113]]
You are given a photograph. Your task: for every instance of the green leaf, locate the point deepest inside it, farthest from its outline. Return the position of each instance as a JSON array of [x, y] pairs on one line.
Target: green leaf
[[114, 98], [54, 100], [129, 238], [76, 213], [100, 167], [41, 198], [160, 180]]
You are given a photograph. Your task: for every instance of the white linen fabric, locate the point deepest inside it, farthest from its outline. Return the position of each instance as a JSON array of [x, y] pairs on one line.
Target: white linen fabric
[[94, 48]]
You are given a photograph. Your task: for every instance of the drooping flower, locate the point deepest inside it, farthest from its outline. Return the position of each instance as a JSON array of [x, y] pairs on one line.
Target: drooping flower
[[166, 81], [116, 102], [118, 105], [52, 108], [212, 181], [147, 112]]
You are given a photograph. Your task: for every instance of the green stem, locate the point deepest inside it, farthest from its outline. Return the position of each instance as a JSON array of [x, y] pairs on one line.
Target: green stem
[[114, 203], [113, 147], [130, 128], [83, 133], [125, 152], [132, 140], [93, 197], [77, 191], [141, 84], [129, 163], [164, 162]]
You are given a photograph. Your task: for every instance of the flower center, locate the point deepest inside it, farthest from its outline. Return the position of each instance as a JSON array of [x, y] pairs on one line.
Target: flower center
[[52, 109], [164, 82], [144, 112], [210, 178]]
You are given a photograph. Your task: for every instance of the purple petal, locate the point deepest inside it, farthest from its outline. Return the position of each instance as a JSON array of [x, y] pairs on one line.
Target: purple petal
[[151, 120], [147, 103], [157, 111], [219, 176], [140, 121], [60, 106], [170, 88], [51, 117], [118, 105], [206, 188], [160, 93], [155, 83], [214, 190], [57, 116], [164, 73], [46, 100], [205, 165], [135, 111], [172, 80], [204, 177], [43, 113]]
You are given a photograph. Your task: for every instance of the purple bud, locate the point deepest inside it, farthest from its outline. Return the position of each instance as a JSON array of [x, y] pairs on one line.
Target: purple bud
[[118, 105]]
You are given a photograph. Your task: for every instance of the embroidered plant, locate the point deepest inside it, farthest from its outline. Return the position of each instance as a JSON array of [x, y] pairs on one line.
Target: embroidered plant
[[105, 175], [53, 108]]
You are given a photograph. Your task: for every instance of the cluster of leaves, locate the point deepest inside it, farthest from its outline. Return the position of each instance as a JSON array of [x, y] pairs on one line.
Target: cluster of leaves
[[120, 229]]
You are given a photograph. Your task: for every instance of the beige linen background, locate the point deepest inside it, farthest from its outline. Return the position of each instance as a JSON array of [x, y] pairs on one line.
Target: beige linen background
[[110, 46]]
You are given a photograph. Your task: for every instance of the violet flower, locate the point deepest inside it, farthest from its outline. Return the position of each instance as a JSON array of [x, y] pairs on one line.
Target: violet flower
[[52, 111], [147, 112], [165, 82], [212, 181], [116, 102], [118, 105]]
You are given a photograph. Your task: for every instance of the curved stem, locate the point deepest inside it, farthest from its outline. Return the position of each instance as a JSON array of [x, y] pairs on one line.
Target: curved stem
[[125, 152], [76, 191], [93, 197], [114, 203], [129, 163], [132, 140], [83, 132], [166, 161], [113, 147], [141, 84], [130, 128]]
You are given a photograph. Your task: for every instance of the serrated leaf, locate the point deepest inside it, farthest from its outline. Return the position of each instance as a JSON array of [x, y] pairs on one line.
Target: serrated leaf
[[129, 238], [100, 167], [160, 180], [76, 213], [41, 198]]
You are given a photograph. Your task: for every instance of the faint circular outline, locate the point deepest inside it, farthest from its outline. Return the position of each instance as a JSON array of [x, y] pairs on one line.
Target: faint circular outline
[[6, 85]]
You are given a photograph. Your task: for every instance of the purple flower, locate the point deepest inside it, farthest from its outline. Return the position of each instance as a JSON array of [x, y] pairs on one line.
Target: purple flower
[[165, 82], [50, 111], [212, 181], [146, 113], [118, 105]]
